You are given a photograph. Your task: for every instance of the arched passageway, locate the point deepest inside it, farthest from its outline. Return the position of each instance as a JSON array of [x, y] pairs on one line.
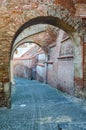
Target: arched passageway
[[39, 106], [56, 16], [28, 62], [37, 25]]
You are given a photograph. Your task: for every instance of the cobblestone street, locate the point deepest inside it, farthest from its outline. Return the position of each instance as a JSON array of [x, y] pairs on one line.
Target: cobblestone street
[[37, 106]]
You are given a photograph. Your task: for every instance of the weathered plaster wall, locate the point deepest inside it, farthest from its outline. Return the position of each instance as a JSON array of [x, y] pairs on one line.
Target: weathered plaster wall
[[41, 68], [61, 71], [23, 68], [66, 76], [31, 68], [41, 73]]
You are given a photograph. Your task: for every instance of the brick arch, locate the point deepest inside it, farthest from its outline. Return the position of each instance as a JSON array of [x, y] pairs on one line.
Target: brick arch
[[12, 53], [55, 15], [65, 23], [70, 26], [52, 13], [20, 43], [59, 17]]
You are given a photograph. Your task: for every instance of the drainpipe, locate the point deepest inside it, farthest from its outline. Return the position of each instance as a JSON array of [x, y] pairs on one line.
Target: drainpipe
[[46, 64], [47, 59]]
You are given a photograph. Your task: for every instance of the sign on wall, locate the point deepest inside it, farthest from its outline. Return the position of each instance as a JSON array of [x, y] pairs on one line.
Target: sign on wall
[[66, 47]]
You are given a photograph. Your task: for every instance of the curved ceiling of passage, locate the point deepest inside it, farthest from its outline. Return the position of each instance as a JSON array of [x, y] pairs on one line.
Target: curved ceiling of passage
[[30, 31], [45, 36], [25, 28], [19, 44]]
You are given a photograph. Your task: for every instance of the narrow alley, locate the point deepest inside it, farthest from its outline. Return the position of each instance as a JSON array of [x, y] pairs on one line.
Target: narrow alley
[[38, 106]]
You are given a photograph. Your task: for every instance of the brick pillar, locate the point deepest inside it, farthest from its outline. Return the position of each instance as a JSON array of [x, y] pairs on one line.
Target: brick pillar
[[78, 64], [4, 73]]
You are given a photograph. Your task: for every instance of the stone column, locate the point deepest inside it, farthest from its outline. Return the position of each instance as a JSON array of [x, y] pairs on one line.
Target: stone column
[[11, 72], [46, 66], [78, 64], [5, 88]]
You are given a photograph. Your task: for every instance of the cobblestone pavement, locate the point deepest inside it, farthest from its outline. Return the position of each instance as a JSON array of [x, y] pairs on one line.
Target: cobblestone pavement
[[37, 106]]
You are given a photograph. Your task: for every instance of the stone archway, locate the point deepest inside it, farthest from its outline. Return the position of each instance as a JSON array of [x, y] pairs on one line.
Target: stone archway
[[51, 20], [73, 32], [12, 53], [56, 16], [26, 31]]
